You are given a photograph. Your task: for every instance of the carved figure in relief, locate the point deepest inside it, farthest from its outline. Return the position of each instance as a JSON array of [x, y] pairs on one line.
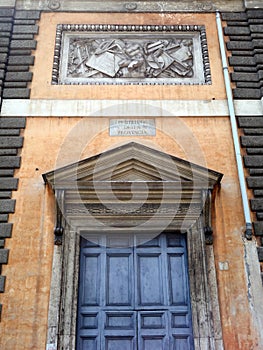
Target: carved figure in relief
[[129, 58]]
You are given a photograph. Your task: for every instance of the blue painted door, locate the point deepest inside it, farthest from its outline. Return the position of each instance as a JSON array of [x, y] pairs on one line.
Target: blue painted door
[[134, 296]]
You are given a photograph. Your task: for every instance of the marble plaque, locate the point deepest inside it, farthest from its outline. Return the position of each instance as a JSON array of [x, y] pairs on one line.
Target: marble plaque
[[132, 127]]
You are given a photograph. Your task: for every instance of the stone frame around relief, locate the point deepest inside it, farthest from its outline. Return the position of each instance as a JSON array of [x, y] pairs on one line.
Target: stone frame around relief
[[93, 54]]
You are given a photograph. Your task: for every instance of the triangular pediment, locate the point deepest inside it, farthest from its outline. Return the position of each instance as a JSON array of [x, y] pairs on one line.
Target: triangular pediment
[[132, 162]]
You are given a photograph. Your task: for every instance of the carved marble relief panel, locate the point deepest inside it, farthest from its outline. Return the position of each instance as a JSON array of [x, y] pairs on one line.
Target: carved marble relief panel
[[131, 54]]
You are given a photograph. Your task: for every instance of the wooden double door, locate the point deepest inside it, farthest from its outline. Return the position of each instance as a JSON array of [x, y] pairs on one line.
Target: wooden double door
[[134, 294]]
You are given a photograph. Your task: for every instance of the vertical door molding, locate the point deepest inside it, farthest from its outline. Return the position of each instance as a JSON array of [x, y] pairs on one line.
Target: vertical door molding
[[63, 294], [203, 291]]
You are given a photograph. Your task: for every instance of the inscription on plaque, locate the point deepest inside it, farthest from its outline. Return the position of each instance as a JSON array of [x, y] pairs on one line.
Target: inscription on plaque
[[132, 127], [131, 54]]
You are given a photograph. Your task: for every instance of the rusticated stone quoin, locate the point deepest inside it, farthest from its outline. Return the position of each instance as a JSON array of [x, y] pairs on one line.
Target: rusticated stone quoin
[[245, 43], [22, 28]]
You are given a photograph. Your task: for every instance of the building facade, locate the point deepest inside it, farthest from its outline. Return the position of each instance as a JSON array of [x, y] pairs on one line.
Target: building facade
[[131, 169]]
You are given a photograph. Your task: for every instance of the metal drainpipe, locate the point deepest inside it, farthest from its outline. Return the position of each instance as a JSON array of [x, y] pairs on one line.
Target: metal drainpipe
[[241, 176]]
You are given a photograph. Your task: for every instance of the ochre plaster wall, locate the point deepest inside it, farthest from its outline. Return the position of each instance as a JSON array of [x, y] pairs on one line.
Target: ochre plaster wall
[[53, 142], [41, 84]]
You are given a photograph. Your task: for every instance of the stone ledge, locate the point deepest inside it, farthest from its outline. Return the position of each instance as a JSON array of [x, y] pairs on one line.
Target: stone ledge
[[121, 6]]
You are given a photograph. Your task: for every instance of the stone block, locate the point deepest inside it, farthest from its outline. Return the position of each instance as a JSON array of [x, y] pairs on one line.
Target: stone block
[[245, 53], [259, 58], [258, 193], [5, 194], [234, 16], [257, 43], [237, 31], [251, 141], [23, 44], [8, 152], [21, 60], [9, 183], [5, 27], [5, 35], [3, 218], [23, 14], [253, 161], [2, 284], [9, 132], [260, 254], [255, 181], [246, 69], [6, 19], [17, 69], [7, 206], [20, 52], [241, 61], [256, 28], [240, 37], [253, 122], [258, 228], [252, 131], [4, 256], [3, 50], [6, 12], [8, 123], [4, 41], [3, 57], [2, 245], [7, 172], [16, 93], [11, 141], [255, 13], [15, 84], [249, 77], [248, 85], [255, 172], [245, 93], [30, 29], [25, 21], [23, 37], [19, 76], [256, 204], [6, 230], [239, 45]]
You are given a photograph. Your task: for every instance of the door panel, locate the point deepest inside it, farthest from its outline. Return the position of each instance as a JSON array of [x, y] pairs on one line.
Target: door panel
[[118, 279], [149, 277], [91, 277], [177, 279], [153, 330], [134, 297]]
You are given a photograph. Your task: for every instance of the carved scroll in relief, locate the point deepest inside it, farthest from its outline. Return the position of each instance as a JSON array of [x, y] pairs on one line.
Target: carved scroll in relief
[[130, 58]]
